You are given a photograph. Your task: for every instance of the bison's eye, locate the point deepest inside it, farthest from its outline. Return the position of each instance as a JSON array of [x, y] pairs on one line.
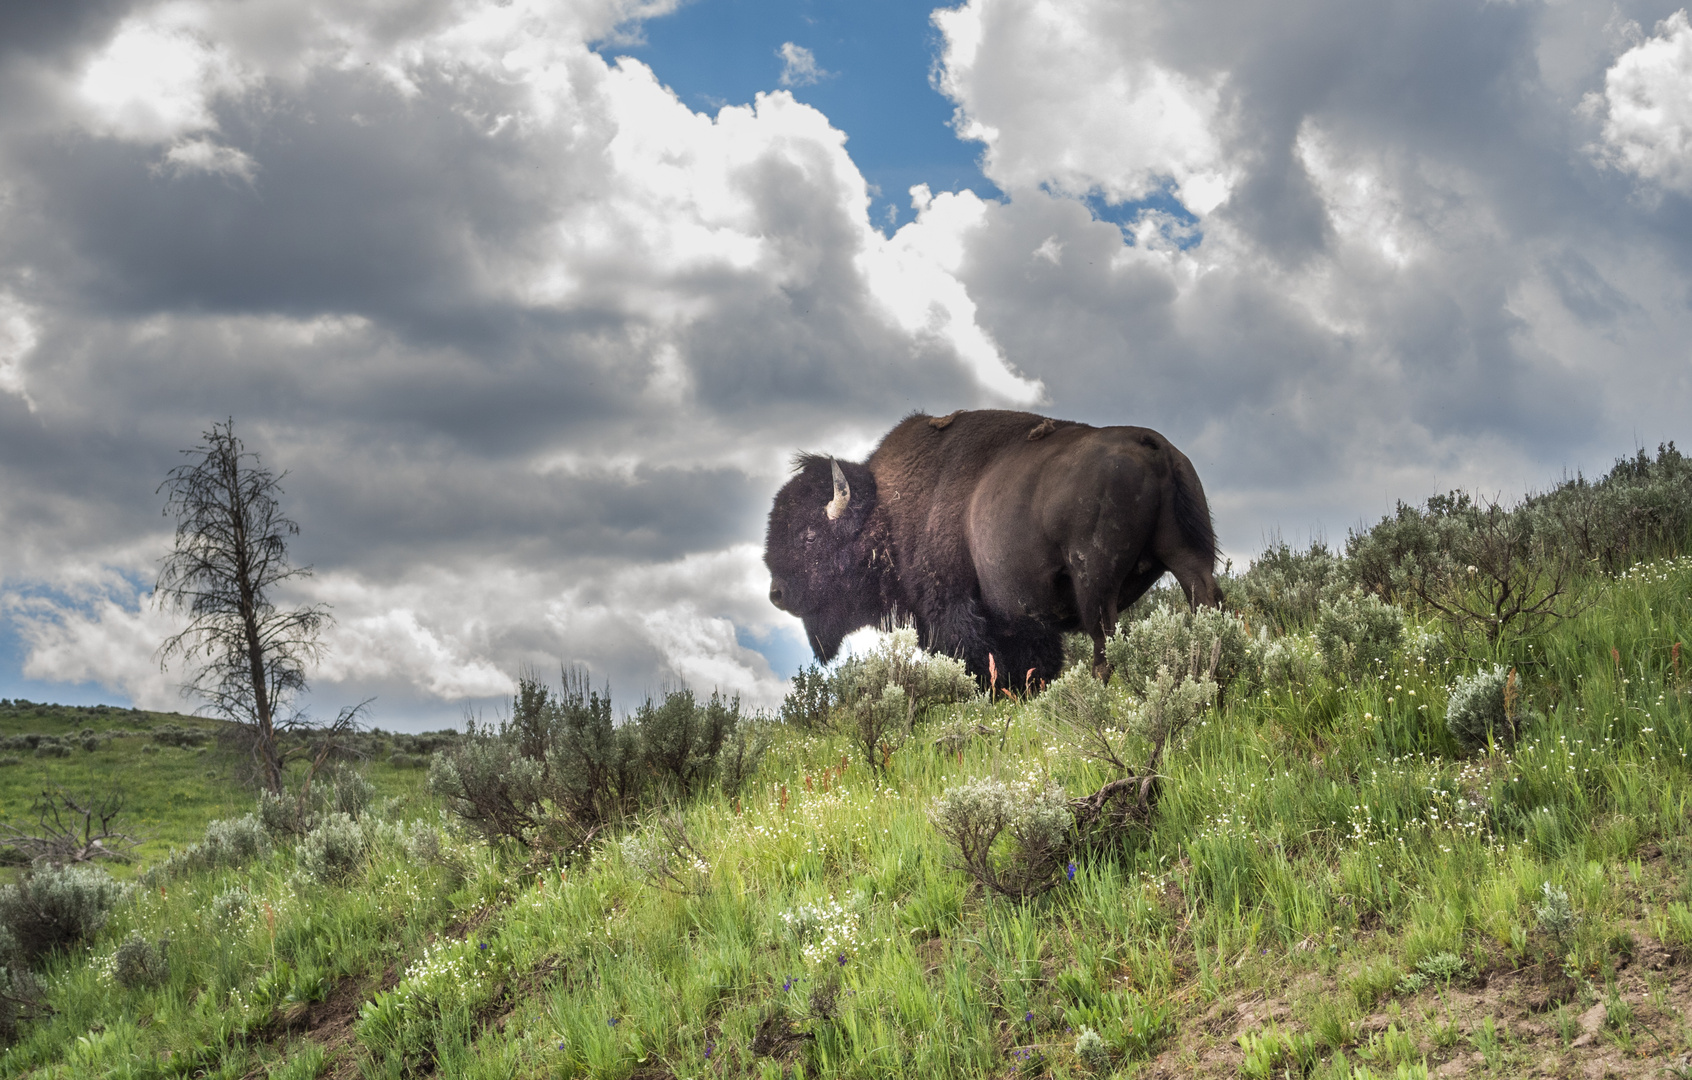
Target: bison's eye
[[810, 536]]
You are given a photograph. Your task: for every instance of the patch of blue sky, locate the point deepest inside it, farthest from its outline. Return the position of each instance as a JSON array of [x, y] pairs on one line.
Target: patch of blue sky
[[784, 647], [1178, 225], [868, 71], [23, 603]]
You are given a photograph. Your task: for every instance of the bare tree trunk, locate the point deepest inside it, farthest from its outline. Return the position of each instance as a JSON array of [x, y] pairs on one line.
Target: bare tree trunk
[[265, 753]]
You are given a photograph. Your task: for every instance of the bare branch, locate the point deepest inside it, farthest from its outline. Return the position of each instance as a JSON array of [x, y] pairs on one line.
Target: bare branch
[[72, 830]]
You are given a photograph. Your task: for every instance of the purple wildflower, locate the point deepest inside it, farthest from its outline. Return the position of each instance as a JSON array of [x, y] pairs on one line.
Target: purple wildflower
[[613, 1021], [842, 959], [1069, 871]]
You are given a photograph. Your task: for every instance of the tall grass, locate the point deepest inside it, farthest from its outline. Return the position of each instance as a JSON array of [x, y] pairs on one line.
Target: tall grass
[[1330, 830]]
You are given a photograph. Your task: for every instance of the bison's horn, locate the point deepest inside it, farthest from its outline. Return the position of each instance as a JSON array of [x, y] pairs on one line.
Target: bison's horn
[[842, 492]]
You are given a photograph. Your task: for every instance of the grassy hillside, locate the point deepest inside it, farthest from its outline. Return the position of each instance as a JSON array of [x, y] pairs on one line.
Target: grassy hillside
[[1328, 887], [174, 772]]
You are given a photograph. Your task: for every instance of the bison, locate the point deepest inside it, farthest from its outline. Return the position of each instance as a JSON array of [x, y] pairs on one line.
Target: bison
[[993, 532]]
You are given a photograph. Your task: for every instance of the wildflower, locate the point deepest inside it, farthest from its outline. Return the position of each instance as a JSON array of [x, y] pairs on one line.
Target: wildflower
[[1069, 872], [613, 1022], [483, 946], [788, 985], [1028, 1017], [708, 1048], [842, 959]]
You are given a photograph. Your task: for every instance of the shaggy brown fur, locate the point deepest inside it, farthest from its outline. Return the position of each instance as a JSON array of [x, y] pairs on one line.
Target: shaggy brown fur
[[992, 540]]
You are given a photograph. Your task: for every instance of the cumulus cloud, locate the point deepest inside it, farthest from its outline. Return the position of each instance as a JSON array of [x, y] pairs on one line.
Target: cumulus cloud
[[1647, 107], [1358, 253], [533, 339], [1064, 96], [799, 66]]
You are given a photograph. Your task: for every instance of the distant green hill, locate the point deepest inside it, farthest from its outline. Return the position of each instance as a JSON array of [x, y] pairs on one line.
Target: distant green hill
[[176, 772]]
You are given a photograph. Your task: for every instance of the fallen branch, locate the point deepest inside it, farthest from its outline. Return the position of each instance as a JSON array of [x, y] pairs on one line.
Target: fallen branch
[[69, 831]]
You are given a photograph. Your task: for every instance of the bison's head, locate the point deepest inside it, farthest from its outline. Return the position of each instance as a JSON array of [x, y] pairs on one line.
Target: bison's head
[[822, 565]]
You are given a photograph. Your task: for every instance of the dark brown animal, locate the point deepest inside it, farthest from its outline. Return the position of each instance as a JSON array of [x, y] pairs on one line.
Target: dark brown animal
[[994, 532]]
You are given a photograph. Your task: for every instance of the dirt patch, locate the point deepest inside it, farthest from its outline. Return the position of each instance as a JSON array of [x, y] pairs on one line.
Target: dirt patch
[[778, 1037], [330, 1023]]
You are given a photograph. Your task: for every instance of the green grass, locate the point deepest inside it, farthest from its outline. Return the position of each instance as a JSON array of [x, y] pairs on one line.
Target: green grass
[[169, 791], [1324, 847]]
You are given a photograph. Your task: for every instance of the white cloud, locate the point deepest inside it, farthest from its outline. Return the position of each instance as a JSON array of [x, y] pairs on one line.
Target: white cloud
[[1647, 107], [110, 641], [17, 340], [203, 155], [1063, 99], [504, 384], [1397, 280], [156, 78], [799, 66]]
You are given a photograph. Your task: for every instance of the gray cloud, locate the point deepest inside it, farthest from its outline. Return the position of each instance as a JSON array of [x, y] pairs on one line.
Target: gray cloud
[[1413, 217], [535, 342], [532, 341]]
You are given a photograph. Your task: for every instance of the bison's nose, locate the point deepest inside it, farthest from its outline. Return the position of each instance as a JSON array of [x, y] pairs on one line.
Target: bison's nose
[[775, 595]]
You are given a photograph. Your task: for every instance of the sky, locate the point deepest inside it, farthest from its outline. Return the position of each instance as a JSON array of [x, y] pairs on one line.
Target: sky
[[534, 300]]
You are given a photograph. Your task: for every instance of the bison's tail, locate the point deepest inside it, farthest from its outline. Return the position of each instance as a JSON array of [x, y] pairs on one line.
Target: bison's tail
[[1192, 512]]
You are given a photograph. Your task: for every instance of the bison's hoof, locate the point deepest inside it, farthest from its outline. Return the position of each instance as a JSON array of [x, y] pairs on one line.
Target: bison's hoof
[[1101, 671]]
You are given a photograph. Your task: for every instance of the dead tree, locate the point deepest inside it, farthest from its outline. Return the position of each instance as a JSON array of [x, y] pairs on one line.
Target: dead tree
[[72, 830], [248, 656]]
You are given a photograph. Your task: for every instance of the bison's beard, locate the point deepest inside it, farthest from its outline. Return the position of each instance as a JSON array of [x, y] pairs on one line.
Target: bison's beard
[[825, 635]]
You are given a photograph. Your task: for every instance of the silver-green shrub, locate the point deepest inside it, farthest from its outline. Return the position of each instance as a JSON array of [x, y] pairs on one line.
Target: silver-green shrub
[[334, 850], [1170, 703], [234, 841], [1357, 633], [278, 813], [1011, 838], [928, 679], [1091, 1049], [345, 791], [1291, 660], [742, 753], [1181, 640], [886, 691], [140, 964], [1283, 589], [22, 997], [1078, 706], [490, 784], [1556, 915], [1478, 713], [664, 855], [336, 790], [1427, 644], [57, 907], [951, 735], [230, 906]]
